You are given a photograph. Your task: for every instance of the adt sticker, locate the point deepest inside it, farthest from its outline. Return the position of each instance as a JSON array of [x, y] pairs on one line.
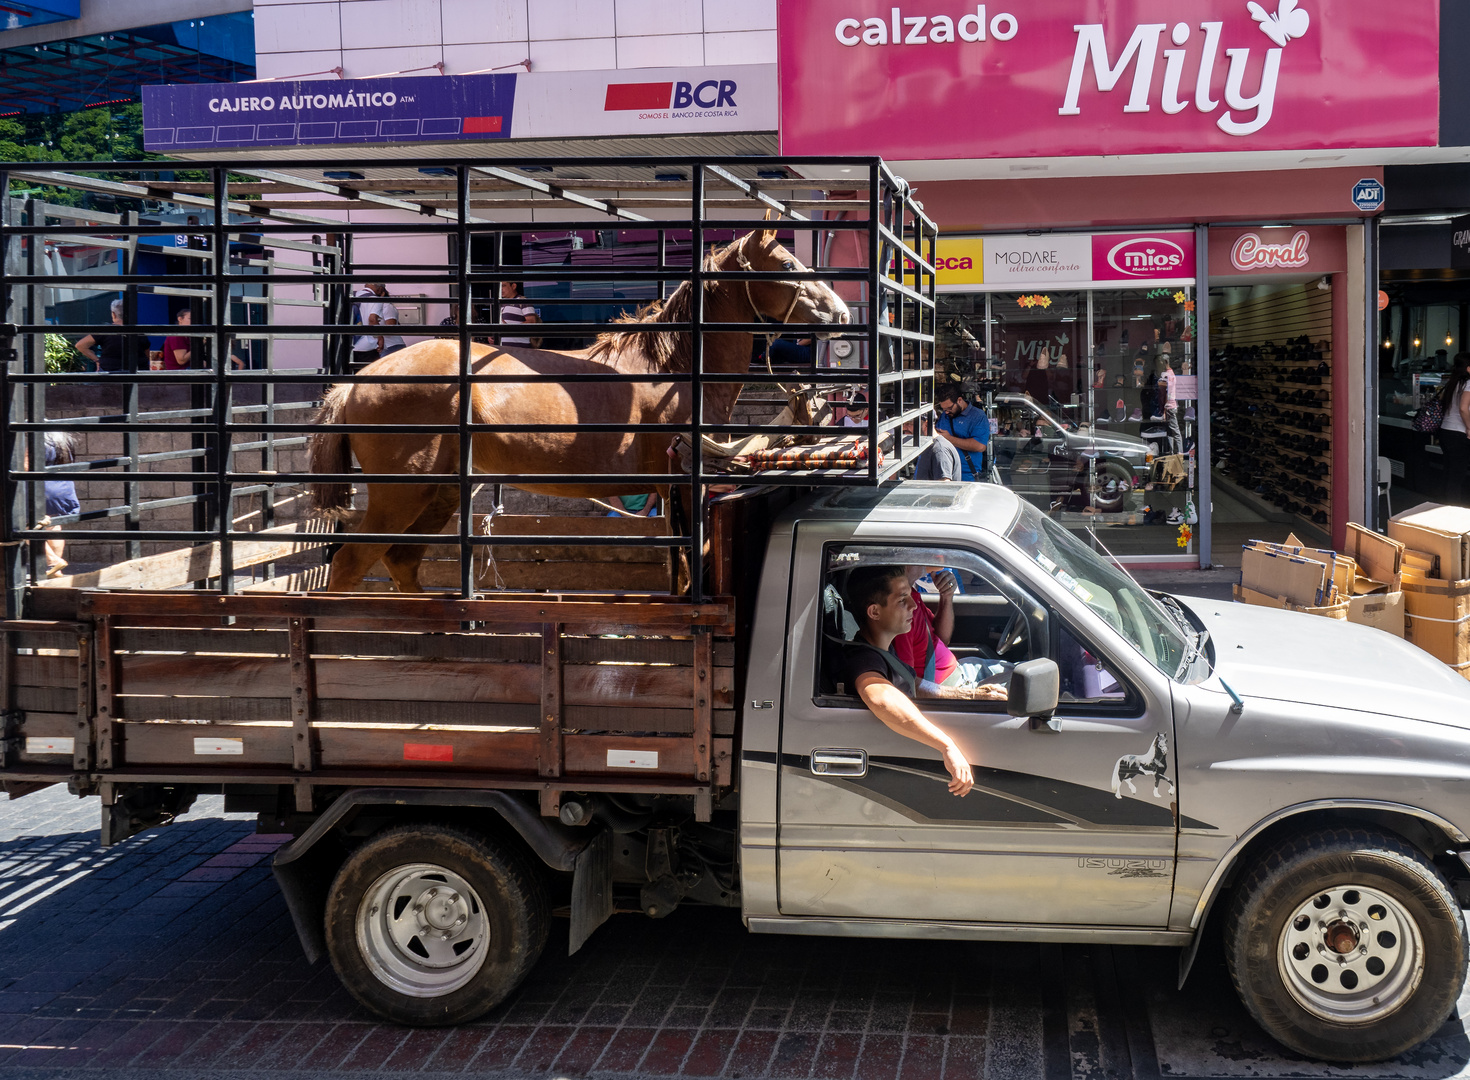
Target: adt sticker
[[1368, 195]]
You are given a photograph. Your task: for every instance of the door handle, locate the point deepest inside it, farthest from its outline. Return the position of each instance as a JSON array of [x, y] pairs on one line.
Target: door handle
[[839, 762]]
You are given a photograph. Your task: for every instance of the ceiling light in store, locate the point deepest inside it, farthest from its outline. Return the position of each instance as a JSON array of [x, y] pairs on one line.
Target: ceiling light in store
[[1416, 343], [1448, 340], [1388, 344]]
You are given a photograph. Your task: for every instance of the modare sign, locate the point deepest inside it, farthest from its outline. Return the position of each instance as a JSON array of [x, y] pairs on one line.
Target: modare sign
[[1071, 260], [935, 79], [1460, 243]]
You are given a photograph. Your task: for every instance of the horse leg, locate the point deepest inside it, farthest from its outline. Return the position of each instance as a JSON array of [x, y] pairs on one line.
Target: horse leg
[[391, 509], [403, 560]]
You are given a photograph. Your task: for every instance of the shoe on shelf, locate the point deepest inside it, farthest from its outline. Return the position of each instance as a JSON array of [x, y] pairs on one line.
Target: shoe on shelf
[[1156, 418], [1136, 416], [1175, 517], [1190, 517], [1122, 410], [1104, 418], [1189, 413], [1153, 433]]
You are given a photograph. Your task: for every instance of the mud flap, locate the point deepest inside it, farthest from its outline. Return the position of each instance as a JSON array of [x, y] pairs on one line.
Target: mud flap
[[592, 900]]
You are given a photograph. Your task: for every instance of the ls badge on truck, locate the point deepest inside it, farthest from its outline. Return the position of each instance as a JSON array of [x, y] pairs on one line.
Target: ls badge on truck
[[1155, 762]]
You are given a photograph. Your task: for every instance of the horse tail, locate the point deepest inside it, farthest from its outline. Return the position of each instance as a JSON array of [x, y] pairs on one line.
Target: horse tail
[[1117, 776], [329, 452]]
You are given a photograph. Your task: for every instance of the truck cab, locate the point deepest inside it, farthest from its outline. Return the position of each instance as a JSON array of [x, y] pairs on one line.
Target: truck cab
[[1189, 743]]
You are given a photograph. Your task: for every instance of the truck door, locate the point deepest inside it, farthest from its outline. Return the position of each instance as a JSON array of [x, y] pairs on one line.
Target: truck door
[[1069, 826]]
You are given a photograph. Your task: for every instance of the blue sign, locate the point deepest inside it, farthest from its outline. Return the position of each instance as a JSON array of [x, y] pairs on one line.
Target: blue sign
[[198, 116], [1368, 196]]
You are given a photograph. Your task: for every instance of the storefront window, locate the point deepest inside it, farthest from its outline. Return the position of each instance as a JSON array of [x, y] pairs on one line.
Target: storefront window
[[1075, 390]]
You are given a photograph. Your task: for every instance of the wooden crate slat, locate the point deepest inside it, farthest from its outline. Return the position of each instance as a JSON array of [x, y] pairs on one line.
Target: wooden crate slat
[[223, 676], [587, 755], [641, 610], [166, 744], [514, 752], [209, 709], [270, 642], [583, 576], [48, 698], [521, 650], [549, 525], [44, 670]]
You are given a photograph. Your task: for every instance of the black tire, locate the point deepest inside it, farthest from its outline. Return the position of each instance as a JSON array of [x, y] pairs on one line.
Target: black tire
[[1122, 476], [510, 919], [1289, 876]]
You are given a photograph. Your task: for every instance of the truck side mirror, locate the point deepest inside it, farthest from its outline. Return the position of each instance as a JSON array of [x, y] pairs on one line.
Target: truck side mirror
[[1034, 691]]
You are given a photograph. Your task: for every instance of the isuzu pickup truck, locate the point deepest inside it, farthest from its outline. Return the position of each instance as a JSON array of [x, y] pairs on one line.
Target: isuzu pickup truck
[[457, 771]]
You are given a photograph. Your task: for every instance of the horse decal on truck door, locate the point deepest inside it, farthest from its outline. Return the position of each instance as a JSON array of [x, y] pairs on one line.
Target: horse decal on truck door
[[1155, 762]]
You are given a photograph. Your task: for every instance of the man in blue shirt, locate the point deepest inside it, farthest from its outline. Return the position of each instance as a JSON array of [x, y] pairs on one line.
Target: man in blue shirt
[[966, 427]]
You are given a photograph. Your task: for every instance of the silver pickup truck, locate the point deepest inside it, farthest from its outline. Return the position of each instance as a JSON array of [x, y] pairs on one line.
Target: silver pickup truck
[[1162, 762], [1160, 768]]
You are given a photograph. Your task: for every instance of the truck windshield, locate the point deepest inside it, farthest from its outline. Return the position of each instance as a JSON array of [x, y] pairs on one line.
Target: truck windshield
[[1102, 587]]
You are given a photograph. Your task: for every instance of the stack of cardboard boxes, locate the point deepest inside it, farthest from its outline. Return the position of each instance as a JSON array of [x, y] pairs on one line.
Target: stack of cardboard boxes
[[1436, 580], [1362, 585]]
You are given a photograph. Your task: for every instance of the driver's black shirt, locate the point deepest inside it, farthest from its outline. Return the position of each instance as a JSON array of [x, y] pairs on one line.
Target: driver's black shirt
[[858, 656]]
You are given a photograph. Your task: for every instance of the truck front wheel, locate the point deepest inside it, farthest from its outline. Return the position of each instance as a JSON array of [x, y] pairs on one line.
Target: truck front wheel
[[431, 925], [1346, 945]]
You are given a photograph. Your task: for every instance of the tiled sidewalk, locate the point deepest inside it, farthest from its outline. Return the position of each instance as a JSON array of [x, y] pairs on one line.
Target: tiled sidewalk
[[172, 955]]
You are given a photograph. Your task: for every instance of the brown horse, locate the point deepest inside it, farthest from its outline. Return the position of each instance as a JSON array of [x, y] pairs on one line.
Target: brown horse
[[426, 508]]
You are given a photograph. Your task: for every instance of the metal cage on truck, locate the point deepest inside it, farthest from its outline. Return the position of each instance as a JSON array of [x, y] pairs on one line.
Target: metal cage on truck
[[208, 659]]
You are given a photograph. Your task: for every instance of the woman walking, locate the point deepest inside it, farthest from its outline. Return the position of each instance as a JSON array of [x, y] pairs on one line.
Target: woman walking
[[1454, 432]]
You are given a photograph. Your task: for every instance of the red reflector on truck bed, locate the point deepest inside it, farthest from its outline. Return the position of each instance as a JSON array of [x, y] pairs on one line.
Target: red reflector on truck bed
[[417, 751]]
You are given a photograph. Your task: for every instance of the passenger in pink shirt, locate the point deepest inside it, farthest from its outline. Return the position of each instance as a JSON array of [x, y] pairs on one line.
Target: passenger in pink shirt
[[925, 647]]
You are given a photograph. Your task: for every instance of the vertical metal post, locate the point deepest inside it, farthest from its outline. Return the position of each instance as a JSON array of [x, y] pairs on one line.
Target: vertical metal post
[[13, 452], [131, 390], [877, 311], [224, 502], [466, 402], [1371, 513], [696, 390], [34, 363], [1205, 489]]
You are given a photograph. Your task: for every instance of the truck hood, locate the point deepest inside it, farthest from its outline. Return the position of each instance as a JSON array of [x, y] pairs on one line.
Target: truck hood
[[1288, 656]]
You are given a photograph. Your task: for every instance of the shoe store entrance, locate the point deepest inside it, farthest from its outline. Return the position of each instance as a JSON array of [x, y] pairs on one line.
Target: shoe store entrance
[[1273, 440], [1082, 350]]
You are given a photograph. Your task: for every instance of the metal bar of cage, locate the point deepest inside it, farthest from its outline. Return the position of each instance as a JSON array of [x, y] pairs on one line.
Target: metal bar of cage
[[892, 337]]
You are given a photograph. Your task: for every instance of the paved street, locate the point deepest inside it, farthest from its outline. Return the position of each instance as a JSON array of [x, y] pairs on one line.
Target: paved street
[[172, 955]]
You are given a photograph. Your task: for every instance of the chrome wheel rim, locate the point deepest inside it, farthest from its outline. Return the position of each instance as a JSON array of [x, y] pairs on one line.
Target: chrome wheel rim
[[422, 930], [1351, 954]]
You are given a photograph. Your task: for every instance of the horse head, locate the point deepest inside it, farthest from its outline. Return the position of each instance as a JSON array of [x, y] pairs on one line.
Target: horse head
[[786, 301]]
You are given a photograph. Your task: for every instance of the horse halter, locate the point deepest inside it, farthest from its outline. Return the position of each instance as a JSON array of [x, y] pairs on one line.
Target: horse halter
[[744, 264]]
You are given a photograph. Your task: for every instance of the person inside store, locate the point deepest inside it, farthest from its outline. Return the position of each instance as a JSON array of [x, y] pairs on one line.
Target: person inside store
[[61, 497], [373, 310], [966, 427], [109, 352], [514, 309], [939, 461], [1167, 387], [925, 645], [178, 350], [1454, 431], [1038, 380], [882, 603]]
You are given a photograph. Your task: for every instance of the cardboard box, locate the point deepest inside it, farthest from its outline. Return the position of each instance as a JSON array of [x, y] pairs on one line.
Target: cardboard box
[[1379, 559], [1245, 595], [1442, 532], [1380, 610], [1439, 620], [1272, 572]]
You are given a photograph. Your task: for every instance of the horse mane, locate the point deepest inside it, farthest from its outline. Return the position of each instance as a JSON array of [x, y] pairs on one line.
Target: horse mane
[[662, 350]]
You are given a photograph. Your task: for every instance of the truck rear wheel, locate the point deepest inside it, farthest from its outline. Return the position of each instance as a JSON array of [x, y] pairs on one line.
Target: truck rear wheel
[[430, 925], [1346, 945]]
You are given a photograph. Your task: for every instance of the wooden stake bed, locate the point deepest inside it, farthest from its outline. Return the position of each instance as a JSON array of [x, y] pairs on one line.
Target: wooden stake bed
[[535, 691]]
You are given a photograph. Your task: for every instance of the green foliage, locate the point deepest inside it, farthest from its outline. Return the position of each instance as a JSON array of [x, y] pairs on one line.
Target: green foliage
[[62, 356]]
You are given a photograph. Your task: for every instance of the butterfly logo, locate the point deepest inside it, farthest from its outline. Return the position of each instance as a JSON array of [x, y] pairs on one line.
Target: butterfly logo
[[1289, 21]]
